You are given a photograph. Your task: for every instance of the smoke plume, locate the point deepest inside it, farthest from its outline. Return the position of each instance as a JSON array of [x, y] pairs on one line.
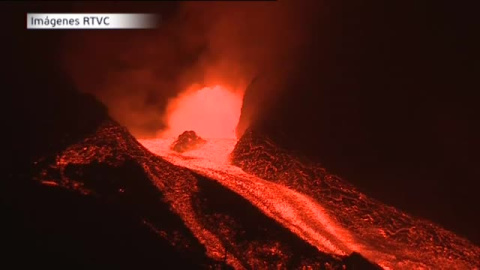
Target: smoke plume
[[137, 73]]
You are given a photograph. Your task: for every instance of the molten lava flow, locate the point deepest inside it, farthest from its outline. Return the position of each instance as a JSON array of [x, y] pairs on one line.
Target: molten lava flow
[[339, 230], [212, 112], [293, 210]]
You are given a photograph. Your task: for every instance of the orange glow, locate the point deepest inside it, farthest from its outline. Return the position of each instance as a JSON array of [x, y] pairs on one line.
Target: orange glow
[[212, 112]]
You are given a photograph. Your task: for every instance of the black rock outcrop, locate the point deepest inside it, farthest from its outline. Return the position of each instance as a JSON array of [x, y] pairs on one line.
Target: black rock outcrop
[[186, 141]]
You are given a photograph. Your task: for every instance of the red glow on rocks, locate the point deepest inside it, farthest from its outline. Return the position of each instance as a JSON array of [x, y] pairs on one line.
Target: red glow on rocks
[[212, 112]]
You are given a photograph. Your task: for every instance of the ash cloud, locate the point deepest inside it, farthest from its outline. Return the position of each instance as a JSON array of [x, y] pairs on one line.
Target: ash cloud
[[136, 73]]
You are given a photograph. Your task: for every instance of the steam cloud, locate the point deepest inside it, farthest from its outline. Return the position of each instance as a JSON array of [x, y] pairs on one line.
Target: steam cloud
[[136, 73]]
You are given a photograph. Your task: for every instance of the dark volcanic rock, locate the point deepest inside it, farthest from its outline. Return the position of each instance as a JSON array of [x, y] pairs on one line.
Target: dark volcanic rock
[[58, 228], [357, 261], [128, 186], [186, 141], [257, 240]]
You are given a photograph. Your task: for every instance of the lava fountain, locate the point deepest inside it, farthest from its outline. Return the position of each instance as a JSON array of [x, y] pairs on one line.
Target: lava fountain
[[212, 112]]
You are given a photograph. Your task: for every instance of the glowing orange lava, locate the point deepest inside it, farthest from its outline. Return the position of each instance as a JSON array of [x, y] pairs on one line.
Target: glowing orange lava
[[212, 112], [392, 239]]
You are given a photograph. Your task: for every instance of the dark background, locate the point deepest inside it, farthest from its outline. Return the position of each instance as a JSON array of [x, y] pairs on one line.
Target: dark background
[[388, 102]]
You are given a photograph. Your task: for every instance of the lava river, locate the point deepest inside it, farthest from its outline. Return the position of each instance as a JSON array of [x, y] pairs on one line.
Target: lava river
[[425, 246]]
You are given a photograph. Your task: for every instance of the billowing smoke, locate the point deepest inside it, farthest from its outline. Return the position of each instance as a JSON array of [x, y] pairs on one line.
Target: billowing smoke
[[137, 73]]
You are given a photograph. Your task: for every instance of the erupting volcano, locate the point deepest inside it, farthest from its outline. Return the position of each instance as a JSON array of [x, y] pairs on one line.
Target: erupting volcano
[[197, 145], [322, 209], [248, 203], [213, 200]]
